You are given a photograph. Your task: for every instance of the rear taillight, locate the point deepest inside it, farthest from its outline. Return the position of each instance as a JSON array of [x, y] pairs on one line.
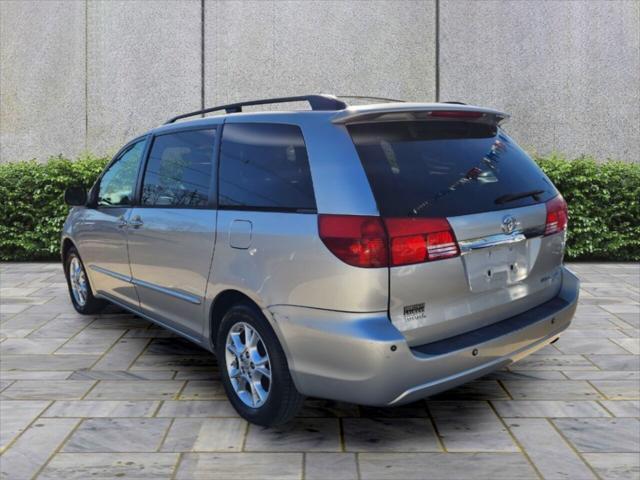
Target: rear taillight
[[557, 216], [363, 242], [416, 240], [357, 240]]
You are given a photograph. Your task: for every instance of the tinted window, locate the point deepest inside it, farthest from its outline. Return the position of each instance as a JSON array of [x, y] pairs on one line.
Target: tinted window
[[265, 166], [178, 172], [118, 183], [446, 168]]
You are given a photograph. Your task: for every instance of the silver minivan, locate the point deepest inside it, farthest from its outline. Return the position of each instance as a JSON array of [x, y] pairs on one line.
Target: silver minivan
[[374, 254]]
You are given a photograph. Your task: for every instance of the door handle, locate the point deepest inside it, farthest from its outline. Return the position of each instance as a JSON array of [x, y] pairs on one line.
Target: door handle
[[122, 222], [136, 222]]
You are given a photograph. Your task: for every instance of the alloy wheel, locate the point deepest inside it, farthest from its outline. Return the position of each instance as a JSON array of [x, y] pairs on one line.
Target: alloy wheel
[[78, 280], [248, 365]]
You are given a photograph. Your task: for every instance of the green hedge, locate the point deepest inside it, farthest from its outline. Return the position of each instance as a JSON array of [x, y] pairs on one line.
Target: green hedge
[[33, 209], [603, 205]]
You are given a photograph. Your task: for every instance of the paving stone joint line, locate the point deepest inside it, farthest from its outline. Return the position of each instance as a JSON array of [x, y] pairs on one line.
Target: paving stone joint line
[[585, 389]]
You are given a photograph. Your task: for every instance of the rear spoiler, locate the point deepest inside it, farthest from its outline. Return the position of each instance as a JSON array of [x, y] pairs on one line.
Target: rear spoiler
[[417, 111]]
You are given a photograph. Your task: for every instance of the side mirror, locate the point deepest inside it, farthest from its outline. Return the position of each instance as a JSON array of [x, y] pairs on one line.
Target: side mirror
[[75, 196]]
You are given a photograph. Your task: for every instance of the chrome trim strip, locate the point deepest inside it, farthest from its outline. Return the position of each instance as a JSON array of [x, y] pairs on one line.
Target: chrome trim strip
[[467, 246], [117, 275], [187, 297]]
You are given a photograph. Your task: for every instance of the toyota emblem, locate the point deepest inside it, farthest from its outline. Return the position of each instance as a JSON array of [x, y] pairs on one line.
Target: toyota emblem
[[509, 224]]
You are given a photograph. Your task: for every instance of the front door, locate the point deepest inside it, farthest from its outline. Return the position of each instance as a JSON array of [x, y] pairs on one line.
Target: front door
[[172, 229], [102, 235]]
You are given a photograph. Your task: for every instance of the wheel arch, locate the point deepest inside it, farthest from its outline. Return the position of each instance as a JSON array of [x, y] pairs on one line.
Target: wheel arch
[[65, 246], [225, 300], [221, 305]]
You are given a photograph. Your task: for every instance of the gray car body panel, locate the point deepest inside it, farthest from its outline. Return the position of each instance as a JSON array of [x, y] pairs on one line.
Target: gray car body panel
[[171, 286], [337, 323]]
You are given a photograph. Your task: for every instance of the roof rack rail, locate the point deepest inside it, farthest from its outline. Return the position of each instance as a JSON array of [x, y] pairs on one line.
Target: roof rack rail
[[456, 103], [366, 97], [317, 102]]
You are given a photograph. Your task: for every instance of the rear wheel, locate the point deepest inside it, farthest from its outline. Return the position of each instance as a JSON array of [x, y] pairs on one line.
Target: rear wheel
[[254, 368], [79, 288]]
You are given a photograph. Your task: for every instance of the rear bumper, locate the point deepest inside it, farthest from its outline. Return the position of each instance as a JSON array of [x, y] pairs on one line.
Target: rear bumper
[[364, 359]]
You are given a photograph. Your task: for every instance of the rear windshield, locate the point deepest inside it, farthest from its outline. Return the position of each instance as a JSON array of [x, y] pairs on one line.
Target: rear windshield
[[446, 168]]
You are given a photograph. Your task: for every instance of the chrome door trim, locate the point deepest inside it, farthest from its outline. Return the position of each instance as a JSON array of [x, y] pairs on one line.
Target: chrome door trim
[[467, 246], [117, 275], [152, 286], [187, 297]]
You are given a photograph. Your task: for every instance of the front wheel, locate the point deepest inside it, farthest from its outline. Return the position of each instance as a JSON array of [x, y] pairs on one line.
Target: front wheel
[[254, 368], [79, 288]]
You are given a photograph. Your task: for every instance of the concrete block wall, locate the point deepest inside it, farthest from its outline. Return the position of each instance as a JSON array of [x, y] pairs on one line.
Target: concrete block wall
[[567, 71], [143, 64], [42, 79], [87, 75], [259, 49]]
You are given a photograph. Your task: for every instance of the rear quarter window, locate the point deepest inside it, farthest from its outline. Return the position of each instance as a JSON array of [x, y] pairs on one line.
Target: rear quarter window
[[264, 167], [446, 168]]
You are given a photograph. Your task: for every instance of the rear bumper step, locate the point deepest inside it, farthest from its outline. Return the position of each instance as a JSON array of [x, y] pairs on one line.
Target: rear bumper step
[[484, 334]]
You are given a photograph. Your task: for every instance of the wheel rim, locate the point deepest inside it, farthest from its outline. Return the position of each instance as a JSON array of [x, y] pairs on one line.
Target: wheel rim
[[248, 365], [78, 280]]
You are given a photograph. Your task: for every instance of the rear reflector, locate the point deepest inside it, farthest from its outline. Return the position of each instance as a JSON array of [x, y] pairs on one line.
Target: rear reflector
[[557, 216], [363, 242]]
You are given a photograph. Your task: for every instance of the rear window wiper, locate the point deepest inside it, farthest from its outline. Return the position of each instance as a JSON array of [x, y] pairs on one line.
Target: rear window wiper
[[510, 197]]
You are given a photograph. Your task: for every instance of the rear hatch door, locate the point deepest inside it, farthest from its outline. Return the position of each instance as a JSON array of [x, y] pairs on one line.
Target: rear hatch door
[[467, 171]]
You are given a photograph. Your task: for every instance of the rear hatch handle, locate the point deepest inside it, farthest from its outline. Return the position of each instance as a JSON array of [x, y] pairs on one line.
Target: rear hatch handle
[[467, 246]]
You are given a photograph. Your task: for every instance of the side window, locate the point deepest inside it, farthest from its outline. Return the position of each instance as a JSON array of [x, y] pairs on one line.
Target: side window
[[265, 166], [118, 184], [178, 172]]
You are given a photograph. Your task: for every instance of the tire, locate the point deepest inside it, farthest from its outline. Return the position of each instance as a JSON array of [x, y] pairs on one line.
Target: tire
[[282, 401], [85, 304]]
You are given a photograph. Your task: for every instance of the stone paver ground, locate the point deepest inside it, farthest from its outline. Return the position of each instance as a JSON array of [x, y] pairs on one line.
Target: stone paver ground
[[113, 396]]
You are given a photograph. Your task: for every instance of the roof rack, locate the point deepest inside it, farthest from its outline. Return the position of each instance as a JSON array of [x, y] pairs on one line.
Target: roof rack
[[365, 97], [317, 102]]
